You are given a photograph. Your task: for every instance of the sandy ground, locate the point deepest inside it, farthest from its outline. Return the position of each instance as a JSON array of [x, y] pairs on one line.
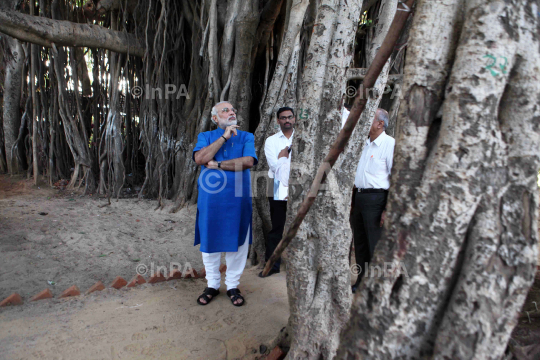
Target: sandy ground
[[49, 235]]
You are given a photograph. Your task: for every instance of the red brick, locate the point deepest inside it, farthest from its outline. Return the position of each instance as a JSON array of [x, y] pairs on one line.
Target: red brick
[[71, 291], [157, 278], [191, 274], [96, 287], [276, 354], [45, 294], [175, 274], [118, 282], [137, 280], [13, 299], [222, 268]]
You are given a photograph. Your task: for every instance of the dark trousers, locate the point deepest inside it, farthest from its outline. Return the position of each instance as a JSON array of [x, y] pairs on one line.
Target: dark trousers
[[278, 214], [366, 219]]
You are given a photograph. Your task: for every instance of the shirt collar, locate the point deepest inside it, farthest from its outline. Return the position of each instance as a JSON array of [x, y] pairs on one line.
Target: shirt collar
[[220, 131], [280, 134], [378, 140]]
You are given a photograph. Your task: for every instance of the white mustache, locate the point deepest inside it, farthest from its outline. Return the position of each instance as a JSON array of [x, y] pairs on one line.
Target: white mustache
[[232, 117]]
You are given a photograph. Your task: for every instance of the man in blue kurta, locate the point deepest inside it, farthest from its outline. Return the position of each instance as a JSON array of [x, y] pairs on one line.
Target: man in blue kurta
[[224, 204]]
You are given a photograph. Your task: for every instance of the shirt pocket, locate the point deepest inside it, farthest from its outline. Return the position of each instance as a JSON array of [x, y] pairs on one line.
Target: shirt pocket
[[376, 166]]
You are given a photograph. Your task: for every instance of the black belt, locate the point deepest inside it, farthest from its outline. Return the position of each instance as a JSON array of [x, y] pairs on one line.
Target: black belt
[[368, 191]]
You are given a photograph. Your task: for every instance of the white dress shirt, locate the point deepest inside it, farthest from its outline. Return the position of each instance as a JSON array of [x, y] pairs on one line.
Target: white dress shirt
[[344, 115], [375, 164], [272, 146], [283, 170]]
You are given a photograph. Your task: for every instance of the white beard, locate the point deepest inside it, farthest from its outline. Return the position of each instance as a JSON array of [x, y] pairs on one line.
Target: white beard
[[228, 122]]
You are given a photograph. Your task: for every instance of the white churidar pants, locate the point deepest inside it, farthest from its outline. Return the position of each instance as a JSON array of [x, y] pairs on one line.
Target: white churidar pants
[[236, 262]]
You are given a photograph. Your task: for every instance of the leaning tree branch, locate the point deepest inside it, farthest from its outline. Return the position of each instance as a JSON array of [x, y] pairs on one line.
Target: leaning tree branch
[[43, 31], [343, 138]]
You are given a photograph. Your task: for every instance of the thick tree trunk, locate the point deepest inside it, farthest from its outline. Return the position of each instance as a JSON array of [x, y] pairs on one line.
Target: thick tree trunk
[[462, 213], [240, 92], [3, 163], [35, 111], [14, 60], [318, 278]]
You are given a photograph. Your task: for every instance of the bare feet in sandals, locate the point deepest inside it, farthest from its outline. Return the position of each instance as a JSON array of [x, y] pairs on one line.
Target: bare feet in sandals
[[207, 296], [236, 298]]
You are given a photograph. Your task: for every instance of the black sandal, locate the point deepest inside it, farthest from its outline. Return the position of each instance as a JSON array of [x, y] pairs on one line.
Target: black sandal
[[208, 291], [235, 293]]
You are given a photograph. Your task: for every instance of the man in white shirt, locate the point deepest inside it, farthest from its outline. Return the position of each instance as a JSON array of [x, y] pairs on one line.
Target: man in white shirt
[[277, 149], [345, 114], [370, 191]]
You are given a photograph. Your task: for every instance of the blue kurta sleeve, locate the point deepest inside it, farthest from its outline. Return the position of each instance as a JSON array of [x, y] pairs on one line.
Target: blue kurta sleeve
[[249, 148], [202, 141]]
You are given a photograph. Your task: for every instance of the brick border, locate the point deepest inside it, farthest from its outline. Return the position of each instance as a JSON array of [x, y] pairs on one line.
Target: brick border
[[117, 283]]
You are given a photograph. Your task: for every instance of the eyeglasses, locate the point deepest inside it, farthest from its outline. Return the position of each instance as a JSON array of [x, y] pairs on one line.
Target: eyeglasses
[[226, 110], [290, 117]]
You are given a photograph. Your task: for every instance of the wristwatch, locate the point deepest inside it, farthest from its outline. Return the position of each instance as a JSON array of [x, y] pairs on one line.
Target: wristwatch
[[219, 164]]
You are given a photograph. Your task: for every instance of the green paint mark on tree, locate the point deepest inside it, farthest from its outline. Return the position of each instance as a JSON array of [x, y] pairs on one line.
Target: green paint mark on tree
[[304, 114], [493, 61]]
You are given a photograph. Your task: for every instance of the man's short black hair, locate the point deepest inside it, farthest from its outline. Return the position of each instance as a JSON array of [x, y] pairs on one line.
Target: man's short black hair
[[284, 109]]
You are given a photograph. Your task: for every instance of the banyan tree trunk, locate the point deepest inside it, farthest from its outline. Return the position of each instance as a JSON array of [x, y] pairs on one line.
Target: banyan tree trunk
[[318, 279], [461, 233], [11, 106]]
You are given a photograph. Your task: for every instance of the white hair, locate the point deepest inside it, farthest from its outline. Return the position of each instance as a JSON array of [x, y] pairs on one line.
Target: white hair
[[383, 116], [214, 110]]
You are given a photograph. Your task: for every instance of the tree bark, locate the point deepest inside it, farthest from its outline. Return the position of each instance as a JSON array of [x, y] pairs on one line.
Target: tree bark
[[114, 145], [240, 92], [44, 32], [463, 202], [385, 16], [283, 73], [318, 279], [14, 60], [35, 115], [77, 144]]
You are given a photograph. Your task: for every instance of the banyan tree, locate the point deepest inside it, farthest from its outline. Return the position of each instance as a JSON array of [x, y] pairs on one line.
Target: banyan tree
[[111, 95]]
